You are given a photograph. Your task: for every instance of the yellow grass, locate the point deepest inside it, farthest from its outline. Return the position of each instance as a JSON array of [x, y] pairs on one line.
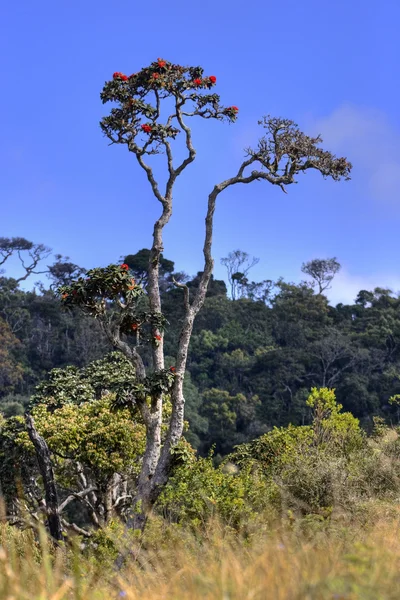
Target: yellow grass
[[288, 563]]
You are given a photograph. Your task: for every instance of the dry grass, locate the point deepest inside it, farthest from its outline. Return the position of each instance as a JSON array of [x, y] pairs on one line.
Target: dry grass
[[291, 563]]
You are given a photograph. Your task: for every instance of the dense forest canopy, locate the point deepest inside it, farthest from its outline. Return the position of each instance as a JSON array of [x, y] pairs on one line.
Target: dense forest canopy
[[257, 348]]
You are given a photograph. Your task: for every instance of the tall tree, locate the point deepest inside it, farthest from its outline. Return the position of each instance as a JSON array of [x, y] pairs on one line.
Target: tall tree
[[238, 265], [136, 121]]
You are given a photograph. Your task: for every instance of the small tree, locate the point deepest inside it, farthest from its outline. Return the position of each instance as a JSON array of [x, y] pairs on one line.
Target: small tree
[[322, 271], [112, 296]]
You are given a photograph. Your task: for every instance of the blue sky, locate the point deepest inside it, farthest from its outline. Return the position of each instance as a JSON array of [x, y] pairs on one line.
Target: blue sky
[[333, 67]]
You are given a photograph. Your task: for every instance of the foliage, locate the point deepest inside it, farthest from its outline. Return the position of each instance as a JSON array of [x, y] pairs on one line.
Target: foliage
[[113, 373], [291, 343], [134, 115], [11, 371], [100, 285], [330, 425], [91, 434], [321, 271], [198, 491]]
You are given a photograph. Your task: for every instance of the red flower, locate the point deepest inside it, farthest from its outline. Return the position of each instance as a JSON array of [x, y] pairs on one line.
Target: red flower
[[172, 369], [213, 79], [235, 108], [156, 75], [119, 75], [146, 128], [157, 337], [197, 81], [125, 267], [64, 296], [134, 326], [161, 63]]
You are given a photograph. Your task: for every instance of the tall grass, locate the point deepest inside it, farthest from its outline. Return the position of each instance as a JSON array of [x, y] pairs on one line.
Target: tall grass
[[300, 560]]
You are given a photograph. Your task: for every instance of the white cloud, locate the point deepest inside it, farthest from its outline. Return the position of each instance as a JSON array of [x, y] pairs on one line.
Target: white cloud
[[367, 138], [346, 286]]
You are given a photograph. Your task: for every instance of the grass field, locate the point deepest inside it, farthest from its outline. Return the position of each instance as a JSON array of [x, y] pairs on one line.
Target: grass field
[[307, 560]]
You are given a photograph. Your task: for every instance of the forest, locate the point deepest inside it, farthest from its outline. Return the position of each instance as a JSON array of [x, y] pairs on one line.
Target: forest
[[257, 347], [167, 435]]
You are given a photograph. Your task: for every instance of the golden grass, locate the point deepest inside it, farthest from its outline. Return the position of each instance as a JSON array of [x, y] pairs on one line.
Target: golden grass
[[288, 563]]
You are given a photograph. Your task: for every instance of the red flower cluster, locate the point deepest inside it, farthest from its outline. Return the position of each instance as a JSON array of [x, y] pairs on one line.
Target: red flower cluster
[[119, 75], [213, 79], [146, 128], [125, 267], [172, 369], [157, 337], [64, 296], [134, 326], [156, 75], [161, 63], [197, 81], [235, 108]]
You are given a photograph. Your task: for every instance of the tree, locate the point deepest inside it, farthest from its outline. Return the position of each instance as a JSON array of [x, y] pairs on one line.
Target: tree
[[139, 263], [335, 354], [87, 452], [36, 253], [111, 295], [322, 272], [238, 265], [62, 271], [10, 371]]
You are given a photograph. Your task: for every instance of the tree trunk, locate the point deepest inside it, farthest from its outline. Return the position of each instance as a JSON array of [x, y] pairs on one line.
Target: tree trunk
[[46, 471]]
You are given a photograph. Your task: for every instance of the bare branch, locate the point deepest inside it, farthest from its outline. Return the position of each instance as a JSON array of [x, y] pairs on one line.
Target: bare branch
[[189, 143], [150, 177], [37, 254], [76, 529], [185, 292], [121, 499], [76, 496]]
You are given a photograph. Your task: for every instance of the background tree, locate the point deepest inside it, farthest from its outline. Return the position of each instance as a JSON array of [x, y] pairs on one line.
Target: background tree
[[10, 370], [62, 271], [238, 265], [139, 265], [322, 271], [29, 254]]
